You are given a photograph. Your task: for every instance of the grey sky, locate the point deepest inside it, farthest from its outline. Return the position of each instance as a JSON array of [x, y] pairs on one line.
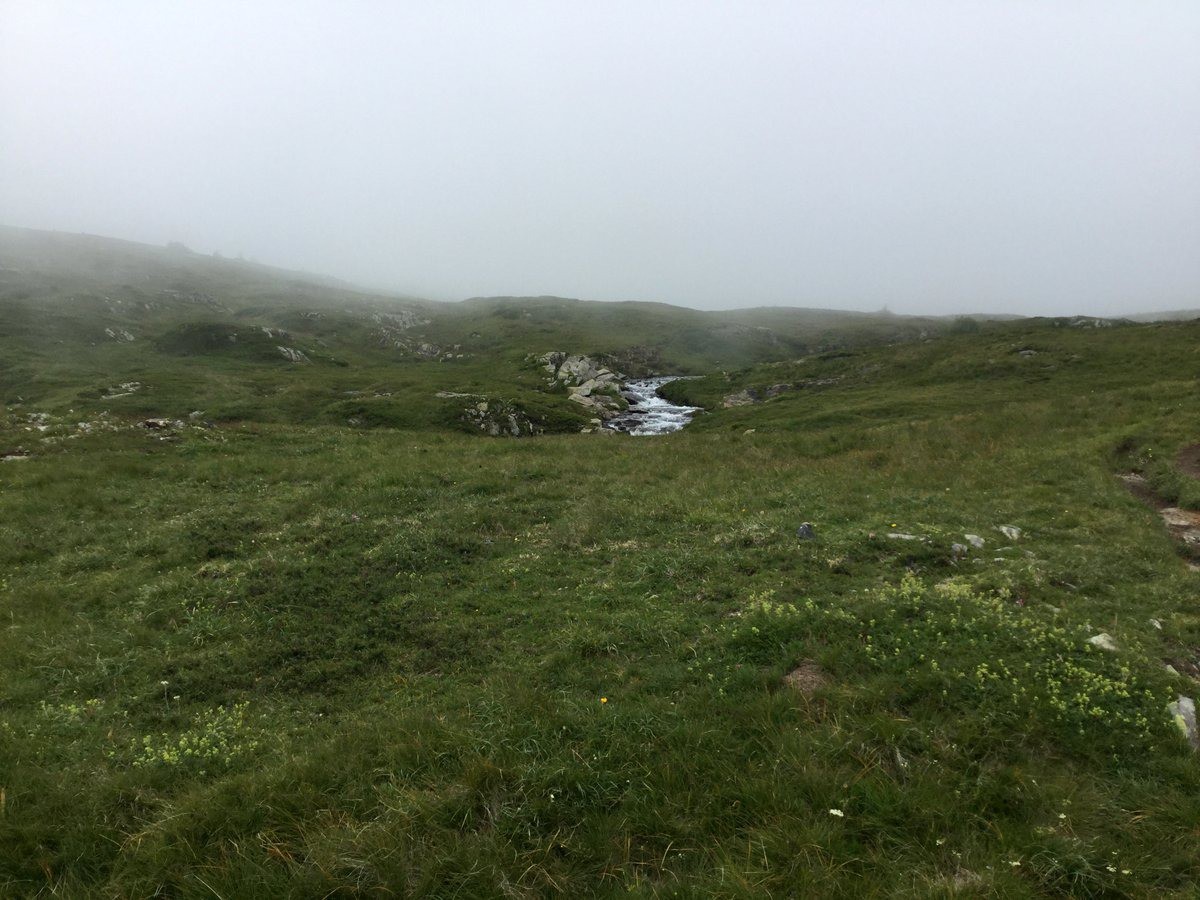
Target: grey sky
[[933, 156]]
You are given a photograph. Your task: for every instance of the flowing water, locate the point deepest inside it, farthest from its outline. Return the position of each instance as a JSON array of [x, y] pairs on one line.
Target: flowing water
[[651, 414]]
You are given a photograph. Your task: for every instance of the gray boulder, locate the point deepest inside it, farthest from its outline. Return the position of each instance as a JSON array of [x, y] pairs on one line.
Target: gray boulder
[[1104, 641], [1183, 711]]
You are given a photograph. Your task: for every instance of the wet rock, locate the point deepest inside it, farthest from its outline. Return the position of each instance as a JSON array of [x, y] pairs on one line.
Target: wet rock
[[1183, 711], [806, 532]]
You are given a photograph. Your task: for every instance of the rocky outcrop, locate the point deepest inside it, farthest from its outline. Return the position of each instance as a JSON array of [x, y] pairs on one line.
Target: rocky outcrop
[[754, 395], [589, 383], [121, 390], [391, 333], [500, 418], [291, 354]]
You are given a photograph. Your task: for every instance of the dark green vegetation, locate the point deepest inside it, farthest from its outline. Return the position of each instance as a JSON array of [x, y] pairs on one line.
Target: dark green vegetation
[[282, 657]]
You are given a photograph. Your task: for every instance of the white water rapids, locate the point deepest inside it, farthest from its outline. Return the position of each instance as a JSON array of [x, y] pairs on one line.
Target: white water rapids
[[649, 413]]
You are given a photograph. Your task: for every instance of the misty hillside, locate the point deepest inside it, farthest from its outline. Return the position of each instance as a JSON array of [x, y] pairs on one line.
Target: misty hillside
[[80, 314]]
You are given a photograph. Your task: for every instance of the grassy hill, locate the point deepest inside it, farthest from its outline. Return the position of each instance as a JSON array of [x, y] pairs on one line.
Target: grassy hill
[[80, 314], [265, 653]]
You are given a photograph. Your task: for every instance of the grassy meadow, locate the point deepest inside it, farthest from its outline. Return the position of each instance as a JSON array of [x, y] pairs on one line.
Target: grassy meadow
[[263, 652]]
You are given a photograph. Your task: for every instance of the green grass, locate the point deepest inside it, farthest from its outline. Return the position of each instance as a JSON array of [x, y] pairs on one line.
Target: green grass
[[412, 661]]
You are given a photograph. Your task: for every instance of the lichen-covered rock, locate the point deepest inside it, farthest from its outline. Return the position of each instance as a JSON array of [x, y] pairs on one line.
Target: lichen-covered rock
[[741, 398], [499, 418], [291, 354], [1183, 711], [589, 383]]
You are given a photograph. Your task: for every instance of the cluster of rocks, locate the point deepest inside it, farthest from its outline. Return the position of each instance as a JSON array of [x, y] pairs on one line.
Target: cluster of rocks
[[391, 333], [57, 430], [498, 417], [399, 321], [423, 349], [124, 389], [291, 354], [589, 383], [753, 395]]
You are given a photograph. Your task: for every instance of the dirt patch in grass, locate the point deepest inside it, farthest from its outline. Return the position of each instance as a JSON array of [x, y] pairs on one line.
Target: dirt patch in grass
[[1183, 524], [806, 679], [1140, 488], [1188, 461]]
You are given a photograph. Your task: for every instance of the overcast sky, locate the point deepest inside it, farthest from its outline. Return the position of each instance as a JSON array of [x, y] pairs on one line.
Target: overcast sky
[[1032, 157]]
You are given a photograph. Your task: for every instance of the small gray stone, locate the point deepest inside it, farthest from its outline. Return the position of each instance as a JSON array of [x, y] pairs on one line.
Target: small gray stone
[[974, 540], [1012, 532], [806, 533], [958, 551]]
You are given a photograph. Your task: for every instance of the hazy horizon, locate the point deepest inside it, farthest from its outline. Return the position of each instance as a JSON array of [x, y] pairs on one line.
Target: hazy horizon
[[933, 158]]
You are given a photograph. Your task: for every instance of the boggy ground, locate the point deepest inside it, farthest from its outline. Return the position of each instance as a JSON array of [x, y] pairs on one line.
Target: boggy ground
[[282, 660]]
